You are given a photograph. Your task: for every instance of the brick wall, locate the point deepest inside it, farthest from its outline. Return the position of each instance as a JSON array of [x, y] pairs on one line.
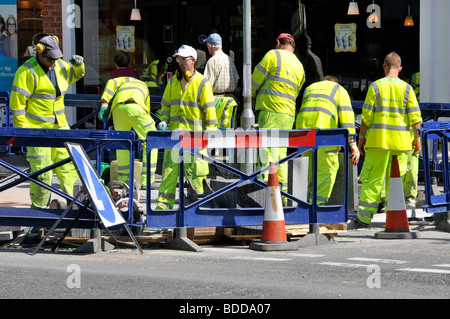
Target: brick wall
[[52, 17]]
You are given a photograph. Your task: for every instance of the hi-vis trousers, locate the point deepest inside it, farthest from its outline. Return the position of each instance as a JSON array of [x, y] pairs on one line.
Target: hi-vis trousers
[[375, 172], [42, 157], [127, 117]]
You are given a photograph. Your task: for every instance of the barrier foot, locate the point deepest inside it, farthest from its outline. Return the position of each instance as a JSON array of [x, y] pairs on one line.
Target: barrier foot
[[272, 246], [314, 238], [181, 242], [93, 245], [444, 225], [397, 235]]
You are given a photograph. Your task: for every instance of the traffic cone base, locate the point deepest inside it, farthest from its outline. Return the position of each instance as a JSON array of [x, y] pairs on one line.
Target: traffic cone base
[[273, 235], [397, 226]]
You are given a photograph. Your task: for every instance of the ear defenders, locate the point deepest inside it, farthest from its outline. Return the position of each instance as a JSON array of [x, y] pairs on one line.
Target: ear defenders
[[187, 75], [39, 47]]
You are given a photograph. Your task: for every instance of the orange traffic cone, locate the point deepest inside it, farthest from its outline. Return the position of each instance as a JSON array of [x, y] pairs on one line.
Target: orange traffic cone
[[274, 230], [397, 226]]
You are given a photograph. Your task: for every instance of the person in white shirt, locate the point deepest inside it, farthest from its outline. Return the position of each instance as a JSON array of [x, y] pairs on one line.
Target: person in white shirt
[[220, 69]]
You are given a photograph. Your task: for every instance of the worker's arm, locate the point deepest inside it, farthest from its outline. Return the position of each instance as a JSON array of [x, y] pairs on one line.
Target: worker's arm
[[22, 89], [416, 141]]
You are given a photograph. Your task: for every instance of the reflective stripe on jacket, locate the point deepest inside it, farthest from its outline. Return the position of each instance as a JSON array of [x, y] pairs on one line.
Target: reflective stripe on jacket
[[33, 97], [226, 108], [326, 104], [194, 109], [389, 111], [277, 81], [127, 89]]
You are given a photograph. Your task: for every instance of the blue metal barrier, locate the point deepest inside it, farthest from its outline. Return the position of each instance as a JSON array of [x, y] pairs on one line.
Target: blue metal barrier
[[197, 215], [432, 133], [90, 140]]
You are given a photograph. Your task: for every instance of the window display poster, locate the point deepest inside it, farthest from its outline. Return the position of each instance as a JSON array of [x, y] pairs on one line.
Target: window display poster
[[125, 39], [8, 43], [345, 37]]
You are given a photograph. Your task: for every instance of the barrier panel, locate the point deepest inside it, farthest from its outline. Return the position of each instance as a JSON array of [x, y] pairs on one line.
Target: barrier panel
[[436, 165], [94, 140], [198, 214]]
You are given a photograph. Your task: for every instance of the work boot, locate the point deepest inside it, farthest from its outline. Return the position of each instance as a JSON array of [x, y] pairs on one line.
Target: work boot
[[410, 203], [360, 224]]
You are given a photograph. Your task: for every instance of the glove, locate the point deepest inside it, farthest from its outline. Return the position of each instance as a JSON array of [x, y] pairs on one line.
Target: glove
[[162, 126], [354, 156], [361, 143], [76, 60], [416, 146], [103, 114]]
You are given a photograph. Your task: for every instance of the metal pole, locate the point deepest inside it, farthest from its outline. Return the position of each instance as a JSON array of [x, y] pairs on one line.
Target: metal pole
[[247, 117]]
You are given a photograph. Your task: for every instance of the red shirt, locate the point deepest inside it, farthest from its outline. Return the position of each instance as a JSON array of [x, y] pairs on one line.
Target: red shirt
[[124, 72]]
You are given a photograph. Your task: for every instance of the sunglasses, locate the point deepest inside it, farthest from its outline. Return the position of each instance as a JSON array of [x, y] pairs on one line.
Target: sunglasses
[[49, 59], [182, 59]]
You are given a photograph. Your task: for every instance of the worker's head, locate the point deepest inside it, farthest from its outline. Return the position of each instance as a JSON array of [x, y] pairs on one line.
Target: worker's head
[[213, 42], [392, 62], [186, 57], [330, 78], [122, 59], [284, 41], [48, 50]]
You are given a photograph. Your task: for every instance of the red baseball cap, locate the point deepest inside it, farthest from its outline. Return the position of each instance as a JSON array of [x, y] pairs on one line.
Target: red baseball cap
[[285, 35]]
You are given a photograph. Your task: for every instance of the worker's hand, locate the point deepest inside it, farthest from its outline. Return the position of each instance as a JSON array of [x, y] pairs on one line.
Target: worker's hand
[[162, 126], [361, 143], [76, 60], [354, 155], [103, 114], [416, 146]]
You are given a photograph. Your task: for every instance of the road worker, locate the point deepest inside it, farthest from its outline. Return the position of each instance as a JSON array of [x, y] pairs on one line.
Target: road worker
[[411, 182], [389, 112], [37, 101], [327, 105], [155, 72], [187, 104], [130, 110], [276, 83]]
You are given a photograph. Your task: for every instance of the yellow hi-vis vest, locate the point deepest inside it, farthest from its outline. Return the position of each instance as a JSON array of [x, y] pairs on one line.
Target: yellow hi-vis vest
[[390, 110], [126, 89], [34, 103], [276, 82], [226, 108], [326, 104], [191, 110]]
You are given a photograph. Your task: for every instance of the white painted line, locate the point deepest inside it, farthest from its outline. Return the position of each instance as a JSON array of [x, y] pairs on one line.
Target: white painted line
[[347, 265], [261, 258], [435, 271], [307, 255], [379, 261], [442, 265]]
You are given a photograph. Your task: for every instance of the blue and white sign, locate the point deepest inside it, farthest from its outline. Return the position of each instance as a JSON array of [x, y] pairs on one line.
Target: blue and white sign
[[96, 190], [8, 43]]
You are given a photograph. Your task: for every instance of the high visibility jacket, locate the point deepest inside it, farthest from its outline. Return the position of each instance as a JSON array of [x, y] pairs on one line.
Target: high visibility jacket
[[326, 104], [152, 73], [389, 110], [415, 83], [276, 82], [34, 101], [127, 89], [194, 109], [226, 108]]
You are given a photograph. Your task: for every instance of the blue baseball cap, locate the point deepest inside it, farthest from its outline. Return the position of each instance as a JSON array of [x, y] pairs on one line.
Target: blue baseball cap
[[214, 39]]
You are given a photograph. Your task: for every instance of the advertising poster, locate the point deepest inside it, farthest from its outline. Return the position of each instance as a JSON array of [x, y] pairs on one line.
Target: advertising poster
[[8, 43], [345, 37], [125, 38]]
